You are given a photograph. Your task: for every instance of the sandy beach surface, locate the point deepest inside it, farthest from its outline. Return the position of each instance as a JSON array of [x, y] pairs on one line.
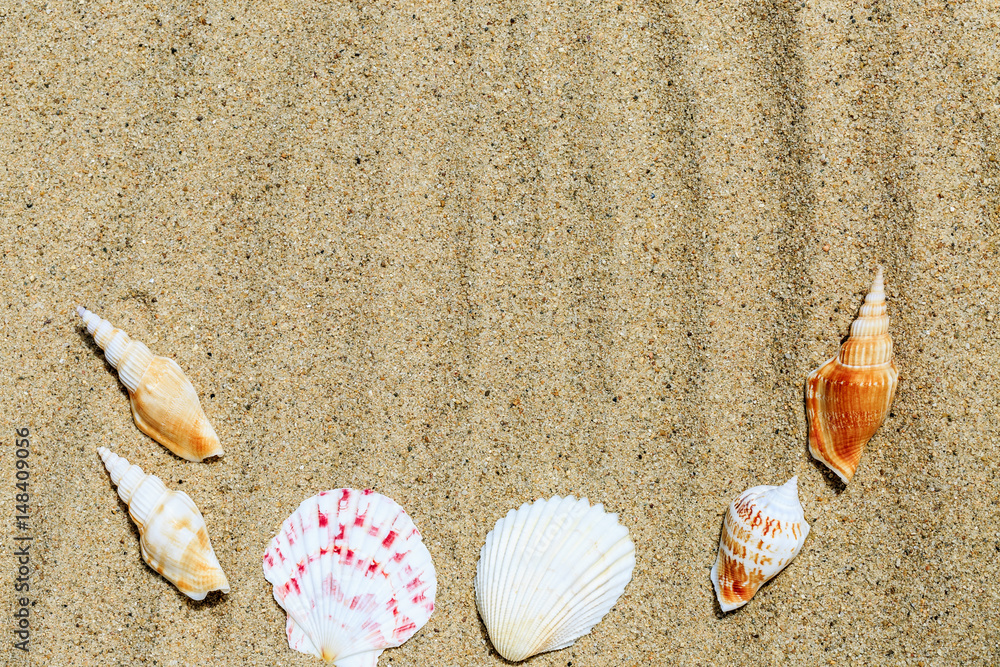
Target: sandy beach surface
[[474, 254]]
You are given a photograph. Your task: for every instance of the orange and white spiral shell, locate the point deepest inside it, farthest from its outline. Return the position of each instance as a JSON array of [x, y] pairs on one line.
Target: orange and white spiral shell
[[174, 539], [848, 397], [164, 403], [763, 530]]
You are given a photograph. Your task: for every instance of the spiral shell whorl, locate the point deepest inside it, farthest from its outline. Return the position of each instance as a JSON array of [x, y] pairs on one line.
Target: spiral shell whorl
[[869, 343], [872, 310], [141, 492], [129, 357], [784, 498]]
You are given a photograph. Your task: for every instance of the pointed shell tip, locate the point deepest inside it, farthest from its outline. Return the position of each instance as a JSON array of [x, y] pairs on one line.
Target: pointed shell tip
[[879, 283], [790, 489]]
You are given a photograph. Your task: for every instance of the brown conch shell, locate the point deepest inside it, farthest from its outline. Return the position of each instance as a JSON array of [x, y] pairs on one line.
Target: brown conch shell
[[848, 397], [164, 403]]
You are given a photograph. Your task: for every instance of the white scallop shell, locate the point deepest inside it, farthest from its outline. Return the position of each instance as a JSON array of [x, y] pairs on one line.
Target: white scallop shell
[[764, 529], [548, 573], [350, 569], [174, 538]]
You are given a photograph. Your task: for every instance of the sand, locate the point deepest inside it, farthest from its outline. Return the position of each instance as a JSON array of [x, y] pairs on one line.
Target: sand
[[470, 255]]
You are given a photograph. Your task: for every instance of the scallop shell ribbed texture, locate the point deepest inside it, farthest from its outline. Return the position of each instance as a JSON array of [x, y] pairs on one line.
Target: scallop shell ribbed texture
[[848, 397], [763, 530], [174, 538], [350, 569], [548, 573], [164, 403]]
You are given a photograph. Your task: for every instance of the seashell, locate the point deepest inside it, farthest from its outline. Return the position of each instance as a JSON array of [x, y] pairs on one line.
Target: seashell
[[164, 403], [174, 538], [764, 529], [548, 573], [848, 397], [350, 569]]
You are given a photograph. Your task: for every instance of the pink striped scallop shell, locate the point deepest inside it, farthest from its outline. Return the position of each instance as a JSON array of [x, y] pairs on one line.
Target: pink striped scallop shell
[[352, 573]]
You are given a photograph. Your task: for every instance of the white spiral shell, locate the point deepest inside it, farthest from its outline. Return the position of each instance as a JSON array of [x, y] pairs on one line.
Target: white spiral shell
[[174, 538]]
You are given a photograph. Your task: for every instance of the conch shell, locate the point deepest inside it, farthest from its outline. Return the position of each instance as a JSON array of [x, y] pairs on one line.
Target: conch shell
[[848, 397], [164, 403], [174, 537], [763, 531]]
